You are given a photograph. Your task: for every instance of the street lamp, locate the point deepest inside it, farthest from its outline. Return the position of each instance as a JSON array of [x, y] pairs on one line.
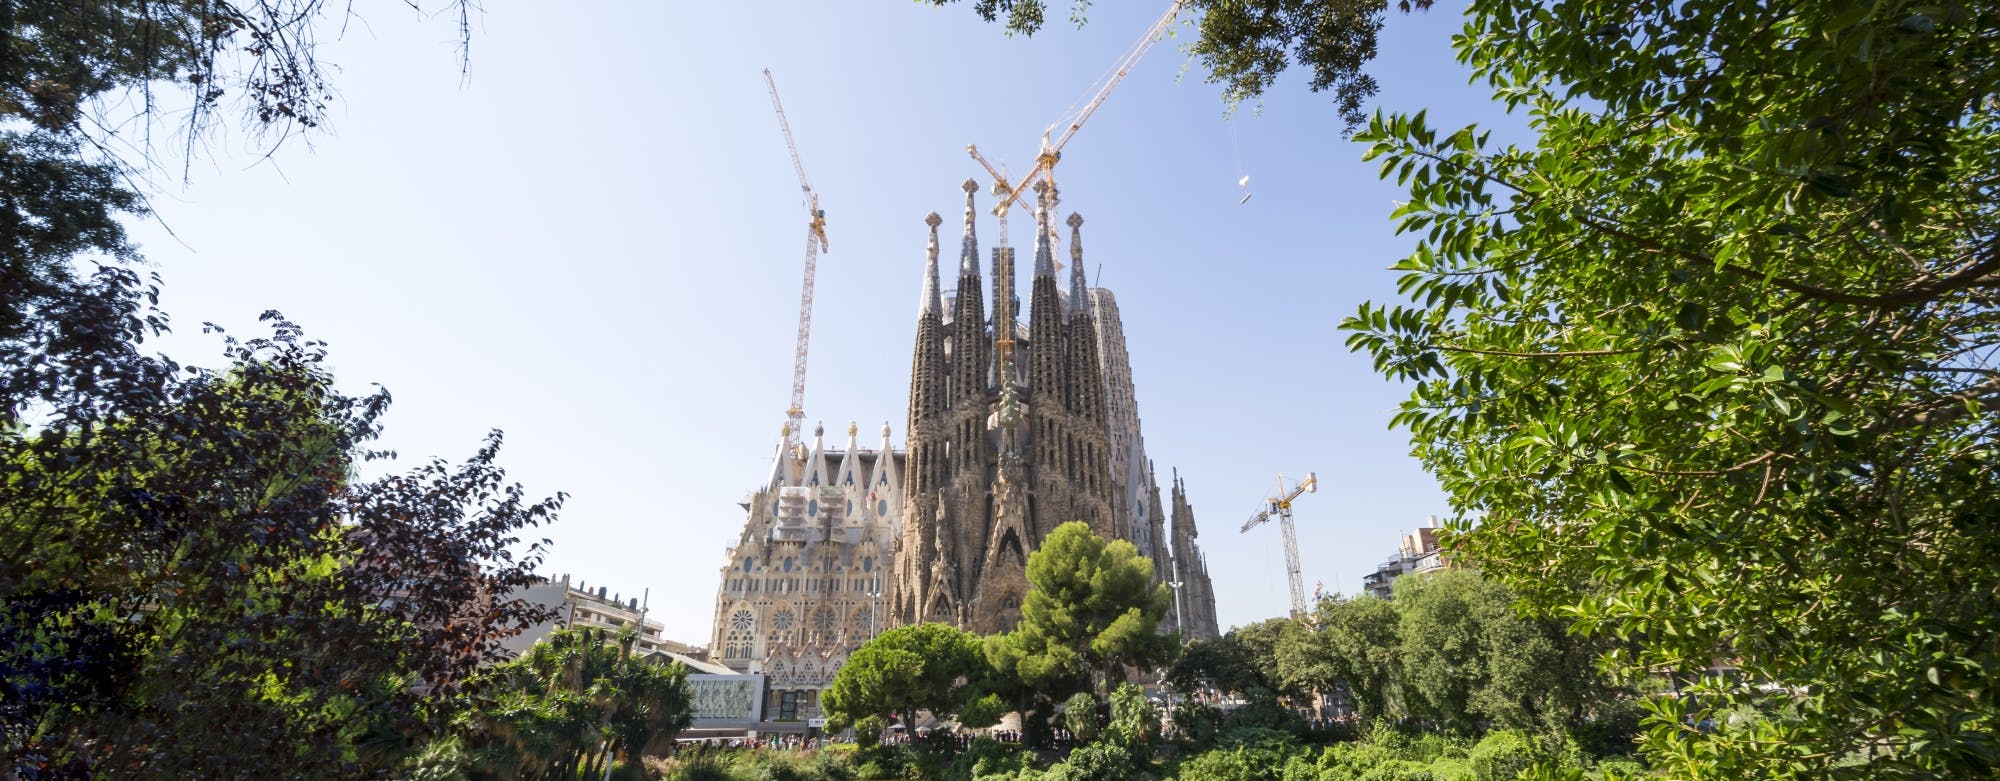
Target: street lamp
[[874, 606]]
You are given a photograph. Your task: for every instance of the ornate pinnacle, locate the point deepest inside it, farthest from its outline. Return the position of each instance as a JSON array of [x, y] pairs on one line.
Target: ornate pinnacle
[[968, 261], [1079, 294], [932, 302]]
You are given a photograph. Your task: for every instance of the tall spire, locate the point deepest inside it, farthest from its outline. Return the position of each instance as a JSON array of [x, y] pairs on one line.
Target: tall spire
[[933, 301], [1045, 261], [968, 256], [1079, 296], [970, 358]]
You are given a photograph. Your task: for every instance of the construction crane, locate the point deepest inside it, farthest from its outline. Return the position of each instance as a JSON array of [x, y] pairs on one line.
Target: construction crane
[[1051, 152], [1281, 506], [795, 415]]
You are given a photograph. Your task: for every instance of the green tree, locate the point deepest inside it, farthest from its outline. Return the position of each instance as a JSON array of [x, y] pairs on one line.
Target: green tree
[[1090, 614], [1709, 364], [1356, 648], [194, 585], [1469, 663], [934, 667], [578, 698]]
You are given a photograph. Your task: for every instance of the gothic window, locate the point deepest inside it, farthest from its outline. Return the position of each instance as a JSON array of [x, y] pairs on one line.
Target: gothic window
[[737, 644], [881, 507], [823, 621], [782, 623]]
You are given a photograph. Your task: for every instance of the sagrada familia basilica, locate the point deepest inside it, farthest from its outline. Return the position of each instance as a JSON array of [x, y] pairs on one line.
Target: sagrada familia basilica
[[1014, 428]]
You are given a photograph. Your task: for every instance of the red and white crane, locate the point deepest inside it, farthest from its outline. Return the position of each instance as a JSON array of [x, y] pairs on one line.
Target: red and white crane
[[795, 415]]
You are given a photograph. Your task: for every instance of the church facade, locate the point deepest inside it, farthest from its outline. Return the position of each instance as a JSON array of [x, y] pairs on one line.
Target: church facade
[[803, 586], [1015, 428]]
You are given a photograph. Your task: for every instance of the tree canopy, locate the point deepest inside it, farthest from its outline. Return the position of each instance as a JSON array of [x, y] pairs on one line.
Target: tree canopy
[[558, 710], [196, 585], [1708, 365], [1091, 611], [922, 667]]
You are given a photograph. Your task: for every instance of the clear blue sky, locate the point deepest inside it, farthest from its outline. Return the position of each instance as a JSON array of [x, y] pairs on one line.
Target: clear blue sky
[[593, 243]]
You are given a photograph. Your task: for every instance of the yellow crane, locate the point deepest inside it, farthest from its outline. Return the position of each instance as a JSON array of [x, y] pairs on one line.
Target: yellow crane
[[1051, 151], [1281, 506], [795, 415]]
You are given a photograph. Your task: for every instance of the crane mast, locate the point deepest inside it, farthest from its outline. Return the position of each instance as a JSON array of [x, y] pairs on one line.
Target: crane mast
[[1281, 506], [795, 415], [1051, 151]]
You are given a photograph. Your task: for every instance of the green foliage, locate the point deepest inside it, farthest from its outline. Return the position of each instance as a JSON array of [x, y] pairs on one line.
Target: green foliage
[[1468, 661], [1502, 755], [553, 712], [1133, 717], [1248, 755], [1090, 612], [1098, 761], [1711, 361], [904, 670], [988, 760], [1449, 652], [1080, 716], [693, 767], [88, 71], [1245, 44], [1244, 661], [207, 590]]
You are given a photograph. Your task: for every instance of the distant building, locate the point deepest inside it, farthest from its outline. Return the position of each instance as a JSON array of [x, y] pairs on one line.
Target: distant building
[[579, 606], [1419, 552]]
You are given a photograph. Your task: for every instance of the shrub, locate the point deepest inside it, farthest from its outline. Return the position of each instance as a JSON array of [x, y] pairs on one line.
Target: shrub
[[769, 766], [872, 771], [1502, 755], [1134, 715], [1353, 760], [828, 765], [1100, 761], [1080, 716], [1619, 767], [868, 730], [701, 766], [1395, 770], [987, 759], [1247, 754], [1452, 769]]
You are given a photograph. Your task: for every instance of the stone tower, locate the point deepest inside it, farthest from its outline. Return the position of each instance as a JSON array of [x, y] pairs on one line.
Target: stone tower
[[1195, 605], [1010, 432]]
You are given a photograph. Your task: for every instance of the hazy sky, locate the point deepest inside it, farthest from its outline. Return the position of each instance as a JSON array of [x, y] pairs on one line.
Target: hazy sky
[[594, 241]]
